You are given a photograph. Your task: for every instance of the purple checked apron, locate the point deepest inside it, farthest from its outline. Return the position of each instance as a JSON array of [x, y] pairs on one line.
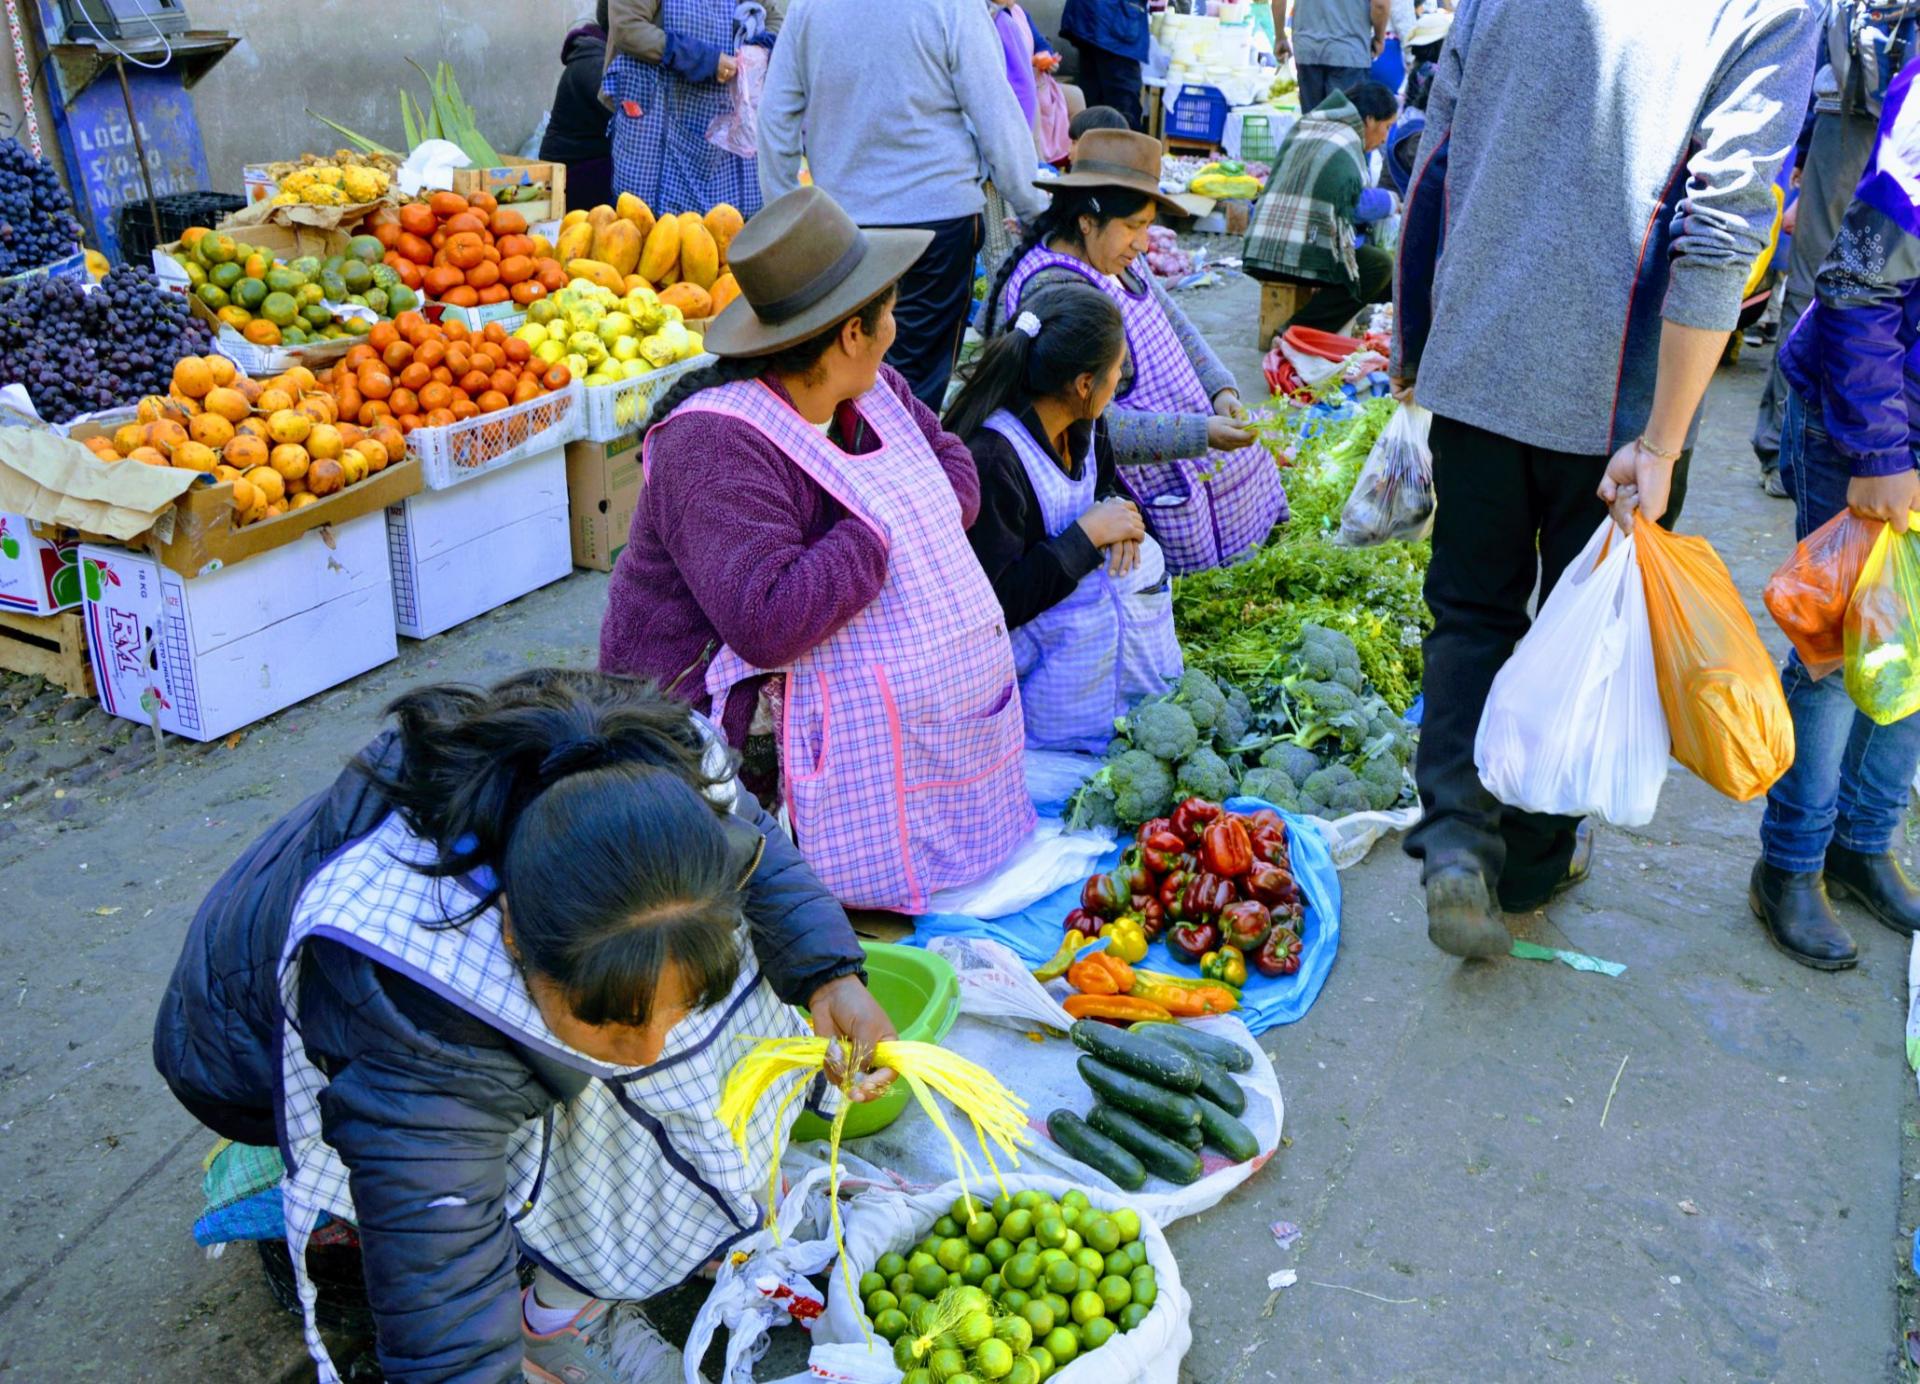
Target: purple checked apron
[[1109, 644], [1206, 511], [660, 149], [901, 740]]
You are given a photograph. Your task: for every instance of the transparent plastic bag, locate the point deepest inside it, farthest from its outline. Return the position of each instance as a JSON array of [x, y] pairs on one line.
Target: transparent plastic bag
[[735, 128], [1808, 596], [1725, 710], [1882, 635], [1393, 498], [1573, 723]]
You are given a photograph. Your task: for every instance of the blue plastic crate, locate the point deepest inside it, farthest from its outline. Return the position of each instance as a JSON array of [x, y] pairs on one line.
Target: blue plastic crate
[[1199, 114]]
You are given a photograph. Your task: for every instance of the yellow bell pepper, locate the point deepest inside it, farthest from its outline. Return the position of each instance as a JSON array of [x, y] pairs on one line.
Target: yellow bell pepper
[[1126, 939]]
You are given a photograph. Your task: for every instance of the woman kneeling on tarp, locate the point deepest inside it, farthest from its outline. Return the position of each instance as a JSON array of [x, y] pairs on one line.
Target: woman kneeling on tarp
[[1083, 584], [1207, 490], [483, 994], [799, 561]]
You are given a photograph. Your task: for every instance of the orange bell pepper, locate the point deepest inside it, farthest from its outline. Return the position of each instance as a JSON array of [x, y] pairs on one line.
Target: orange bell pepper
[[1100, 973], [1126, 1008]]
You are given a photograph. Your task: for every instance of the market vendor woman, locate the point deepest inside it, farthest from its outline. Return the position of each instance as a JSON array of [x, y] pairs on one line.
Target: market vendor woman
[[484, 992], [799, 563], [1207, 490]]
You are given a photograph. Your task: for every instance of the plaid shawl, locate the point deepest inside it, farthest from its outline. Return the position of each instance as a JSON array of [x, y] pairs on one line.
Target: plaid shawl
[[1302, 227]]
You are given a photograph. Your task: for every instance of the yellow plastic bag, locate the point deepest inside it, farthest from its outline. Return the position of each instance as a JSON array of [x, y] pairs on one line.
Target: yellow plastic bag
[[1883, 638], [1808, 596], [1718, 686]]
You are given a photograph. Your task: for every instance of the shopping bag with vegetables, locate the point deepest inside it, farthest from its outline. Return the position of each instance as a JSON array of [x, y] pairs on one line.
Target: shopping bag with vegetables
[[1718, 685], [1808, 596], [1393, 498], [1882, 635], [1573, 724]]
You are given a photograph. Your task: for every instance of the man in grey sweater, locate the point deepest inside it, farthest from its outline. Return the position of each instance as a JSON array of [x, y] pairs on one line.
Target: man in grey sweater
[[1594, 184], [895, 107]]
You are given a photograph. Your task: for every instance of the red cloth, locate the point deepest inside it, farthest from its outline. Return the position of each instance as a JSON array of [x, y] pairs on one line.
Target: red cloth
[[733, 544]]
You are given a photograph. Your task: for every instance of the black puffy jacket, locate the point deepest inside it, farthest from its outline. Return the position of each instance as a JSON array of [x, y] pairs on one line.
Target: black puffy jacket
[[422, 1097]]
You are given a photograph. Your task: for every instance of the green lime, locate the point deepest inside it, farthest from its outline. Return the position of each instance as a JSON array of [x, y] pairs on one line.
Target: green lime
[[891, 1324], [883, 1301], [1098, 1332], [900, 1284], [999, 1250], [1024, 1371], [1117, 1262], [1002, 1207], [1087, 1306], [1021, 1271], [1012, 1300], [923, 1318], [982, 1228], [1050, 1257], [972, 1329], [1070, 1214], [965, 1377], [993, 1359], [871, 1283], [1076, 1199], [1091, 1260], [1051, 1231], [1017, 1224], [1015, 1331], [1039, 1316], [1115, 1291], [917, 1258], [994, 1286], [1137, 1253], [946, 1227], [976, 1269], [1131, 1316], [971, 1299], [1084, 1280], [929, 1280], [926, 1247], [1128, 1222], [903, 1355], [1073, 1244], [965, 1207], [1062, 1345], [946, 1364], [1043, 1358], [1146, 1291], [951, 1255], [918, 1376], [911, 1303], [1058, 1304], [1063, 1276], [1024, 1201], [1101, 1233], [890, 1266]]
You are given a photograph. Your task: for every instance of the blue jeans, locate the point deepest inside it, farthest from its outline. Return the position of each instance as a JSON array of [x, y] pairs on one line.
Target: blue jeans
[[1849, 780]]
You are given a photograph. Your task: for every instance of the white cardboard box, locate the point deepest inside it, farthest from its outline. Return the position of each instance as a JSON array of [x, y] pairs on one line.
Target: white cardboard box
[[461, 552], [214, 653], [37, 577]]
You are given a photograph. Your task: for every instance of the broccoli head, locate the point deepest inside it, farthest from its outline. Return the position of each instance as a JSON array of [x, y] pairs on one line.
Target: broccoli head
[[1347, 799], [1236, 720], [1389, 734], [1202, 698], [1295, 761], [1322, 784], [1092, 805], [1383, 778], [1142, 786], [1163, 730], [1204, 774], [1325, 655], [1325, 710], [1271, 785]]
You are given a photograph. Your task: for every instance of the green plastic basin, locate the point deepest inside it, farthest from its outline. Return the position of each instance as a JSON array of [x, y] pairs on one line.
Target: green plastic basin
[[921, 994]]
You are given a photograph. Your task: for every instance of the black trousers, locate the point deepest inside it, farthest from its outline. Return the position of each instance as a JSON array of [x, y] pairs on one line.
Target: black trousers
[[1507, 515], [1333, 307], [930, 315], [1109, 79]]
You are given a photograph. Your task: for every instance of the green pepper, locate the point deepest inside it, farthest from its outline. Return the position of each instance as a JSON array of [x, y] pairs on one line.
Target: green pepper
[[1228, 965]]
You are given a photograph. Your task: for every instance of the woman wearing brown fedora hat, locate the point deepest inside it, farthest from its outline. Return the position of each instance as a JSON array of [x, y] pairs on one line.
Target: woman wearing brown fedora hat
[[1208, 491], [799, 563]]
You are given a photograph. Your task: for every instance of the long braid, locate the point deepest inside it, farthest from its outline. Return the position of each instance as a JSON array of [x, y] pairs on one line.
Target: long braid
[[1044, 227]]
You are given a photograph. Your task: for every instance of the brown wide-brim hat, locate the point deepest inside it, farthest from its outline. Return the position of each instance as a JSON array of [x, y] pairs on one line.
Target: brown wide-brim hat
[[802, 265], [1115, 158]]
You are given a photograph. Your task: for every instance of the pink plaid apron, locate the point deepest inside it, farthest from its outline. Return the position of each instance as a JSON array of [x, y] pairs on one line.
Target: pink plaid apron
[[900, 736], [1106, 646], [1206, 511]]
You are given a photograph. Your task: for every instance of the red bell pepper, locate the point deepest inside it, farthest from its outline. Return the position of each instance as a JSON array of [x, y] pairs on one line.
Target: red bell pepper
[[1270, 884], [1191, 818], [1160, 851], [1191, 941], [1245, 924], [1279, 955], [1173, 891], [1133, 872], [1153, 917], [1085, 923], [1225, 848], [1105, 896], [1205, 895], [1151, 826]]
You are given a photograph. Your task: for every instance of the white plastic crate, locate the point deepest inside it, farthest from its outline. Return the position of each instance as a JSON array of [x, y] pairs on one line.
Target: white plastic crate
[[614, 410], [474, 446]]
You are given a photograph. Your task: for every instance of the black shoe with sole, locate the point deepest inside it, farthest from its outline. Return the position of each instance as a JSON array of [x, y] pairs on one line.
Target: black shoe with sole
[[1877, 884], [1799, 918], [1461, 920], [1773, 482], [1579, 869]]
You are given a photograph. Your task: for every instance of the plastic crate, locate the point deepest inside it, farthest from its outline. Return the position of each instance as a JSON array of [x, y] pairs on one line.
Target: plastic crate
[[614, 410], [1198, 114], [178, 210], [486, 442]]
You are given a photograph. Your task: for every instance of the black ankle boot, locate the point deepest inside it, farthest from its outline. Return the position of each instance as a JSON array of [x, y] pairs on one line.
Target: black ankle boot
[[1799, 919], [1877, 884]]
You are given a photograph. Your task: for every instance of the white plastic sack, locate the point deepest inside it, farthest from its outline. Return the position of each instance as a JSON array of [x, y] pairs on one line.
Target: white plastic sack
[[996, 984], [1049, 859], [1349, 838], [769, 1287], [1573, 724], [1393, 496]]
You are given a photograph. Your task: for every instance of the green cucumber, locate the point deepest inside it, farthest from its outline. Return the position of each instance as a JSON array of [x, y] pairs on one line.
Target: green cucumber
[[1160, 1063], [1218, 1051], [1082, 1141], [1226, 1133], [1173, 1109], [1221, 1089], [1162, 1157]]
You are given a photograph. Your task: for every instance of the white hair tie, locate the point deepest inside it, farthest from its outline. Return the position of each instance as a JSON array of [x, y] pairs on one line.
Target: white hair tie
[[1027, 324]]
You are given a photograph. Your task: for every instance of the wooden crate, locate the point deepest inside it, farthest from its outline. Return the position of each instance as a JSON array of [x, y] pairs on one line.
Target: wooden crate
[[1278, 303], [53, 647]]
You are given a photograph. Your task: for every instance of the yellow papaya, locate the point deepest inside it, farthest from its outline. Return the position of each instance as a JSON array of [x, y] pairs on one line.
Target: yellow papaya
[[576, 242], [631, 208], [723, 223], [699, 256], [662, 250], [634, 283], [595, 272], [617, 243], [725, 290], [693, 301], [573, 218], [599, 216]]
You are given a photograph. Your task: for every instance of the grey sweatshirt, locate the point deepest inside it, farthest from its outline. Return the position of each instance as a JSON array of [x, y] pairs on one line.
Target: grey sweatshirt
[[895, 104], [1590, 168]]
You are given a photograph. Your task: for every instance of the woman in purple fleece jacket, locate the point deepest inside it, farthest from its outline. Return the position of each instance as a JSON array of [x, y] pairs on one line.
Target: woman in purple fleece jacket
[[799, 562]]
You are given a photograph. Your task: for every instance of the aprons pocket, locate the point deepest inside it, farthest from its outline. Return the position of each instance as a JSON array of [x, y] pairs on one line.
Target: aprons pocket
[[967, 805], [1178, 510], [1248, 499]]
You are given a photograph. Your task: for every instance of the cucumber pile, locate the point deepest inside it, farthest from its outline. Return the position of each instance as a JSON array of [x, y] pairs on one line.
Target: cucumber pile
[[1162, 1093]]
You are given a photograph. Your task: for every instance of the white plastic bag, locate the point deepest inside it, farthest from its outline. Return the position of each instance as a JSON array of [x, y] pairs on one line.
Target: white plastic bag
[[1050, 858], [1574, 724], [736, 129], [1393, 497], [768, 1287]]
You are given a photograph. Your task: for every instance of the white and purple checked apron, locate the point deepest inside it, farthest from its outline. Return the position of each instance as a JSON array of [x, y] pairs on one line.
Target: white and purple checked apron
[[1205, 511], [625, 1190], [660, 149], [901, 740], [1110, 643]]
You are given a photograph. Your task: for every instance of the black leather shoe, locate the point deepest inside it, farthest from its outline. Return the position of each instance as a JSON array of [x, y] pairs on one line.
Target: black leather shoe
[[1579, 869], [1461, 920], [1799, 919], [1877, 884]]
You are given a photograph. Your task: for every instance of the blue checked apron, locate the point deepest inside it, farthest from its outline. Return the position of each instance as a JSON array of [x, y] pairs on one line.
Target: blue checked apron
[[659, 128], [1106, 646], [626, 1190]]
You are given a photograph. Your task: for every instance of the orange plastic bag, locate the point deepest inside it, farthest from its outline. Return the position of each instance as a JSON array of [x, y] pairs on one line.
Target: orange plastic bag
[[1808, 596], [1718, 686]]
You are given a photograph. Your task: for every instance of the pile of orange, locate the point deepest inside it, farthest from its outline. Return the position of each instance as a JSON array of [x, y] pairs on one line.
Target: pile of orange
[[280, 443], [468, 251], [413, 373]]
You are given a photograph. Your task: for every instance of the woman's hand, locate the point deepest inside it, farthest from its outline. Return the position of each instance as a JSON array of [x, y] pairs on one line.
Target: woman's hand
[[1113, 521], [1226, 404], [1122, 558], [724, 67], [1888, 498], [1227, 434], [846, 1010]]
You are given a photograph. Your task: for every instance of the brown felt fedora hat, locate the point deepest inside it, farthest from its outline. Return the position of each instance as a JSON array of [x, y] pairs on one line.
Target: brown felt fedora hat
[[802, 265], [1115, 158]]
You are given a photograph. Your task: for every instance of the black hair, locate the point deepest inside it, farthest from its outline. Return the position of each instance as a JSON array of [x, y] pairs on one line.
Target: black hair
[[1427, 52], [1420, 85], [1080, 334], [1061, 221], [1373, 100], [1097, 118], [600, 14], [587, 797], [801, 358]]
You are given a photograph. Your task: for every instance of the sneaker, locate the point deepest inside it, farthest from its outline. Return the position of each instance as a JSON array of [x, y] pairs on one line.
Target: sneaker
[[1773, 482], [606, 1343]]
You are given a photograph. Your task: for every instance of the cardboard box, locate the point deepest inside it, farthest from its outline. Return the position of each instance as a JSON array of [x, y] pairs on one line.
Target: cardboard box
[[603, 490], [38, 576], [461, 552], [512, 177], [508, 314], [285, 243], [257, 183], [207, 657], [74, 266]]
